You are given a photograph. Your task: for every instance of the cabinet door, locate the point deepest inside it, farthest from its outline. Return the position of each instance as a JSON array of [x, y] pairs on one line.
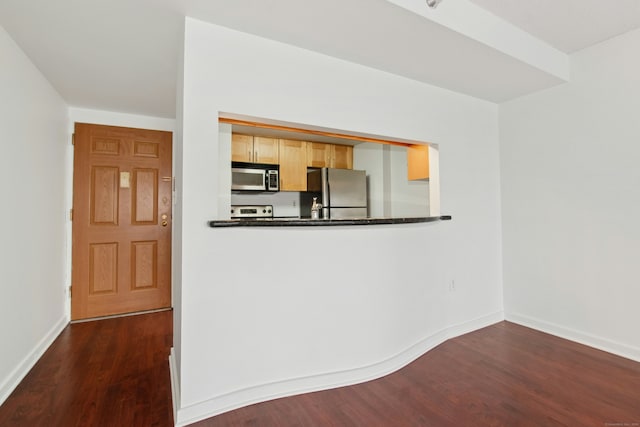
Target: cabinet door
[[417, 162], [318, 155], [342, 157], [241, 148], [265, 150], [293, 165]]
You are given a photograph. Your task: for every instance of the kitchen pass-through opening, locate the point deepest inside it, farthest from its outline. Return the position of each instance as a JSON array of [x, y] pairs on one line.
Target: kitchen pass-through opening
[[401, 176]]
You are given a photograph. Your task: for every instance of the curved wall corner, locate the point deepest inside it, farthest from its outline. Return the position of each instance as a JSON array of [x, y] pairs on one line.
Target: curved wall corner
[[265, 392]]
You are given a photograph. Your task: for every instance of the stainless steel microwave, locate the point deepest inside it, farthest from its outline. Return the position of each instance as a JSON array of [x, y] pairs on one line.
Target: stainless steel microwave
[[254, 177]]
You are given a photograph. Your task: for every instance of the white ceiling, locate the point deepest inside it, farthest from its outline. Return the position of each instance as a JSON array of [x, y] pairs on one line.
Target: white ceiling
[[121, 55], [568, 25]]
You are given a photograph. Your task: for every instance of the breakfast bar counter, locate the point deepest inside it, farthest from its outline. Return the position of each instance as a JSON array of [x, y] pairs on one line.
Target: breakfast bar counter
[[307, 222]]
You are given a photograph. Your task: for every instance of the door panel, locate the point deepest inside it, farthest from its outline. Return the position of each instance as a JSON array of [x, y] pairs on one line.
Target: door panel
[[145, 197], [105, 146], [145, 264], [103, 268], [104, 195], [122, 221], [146, 149]]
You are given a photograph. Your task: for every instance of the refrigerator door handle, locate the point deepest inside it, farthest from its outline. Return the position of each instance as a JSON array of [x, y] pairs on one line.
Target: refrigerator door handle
[[326, 193]]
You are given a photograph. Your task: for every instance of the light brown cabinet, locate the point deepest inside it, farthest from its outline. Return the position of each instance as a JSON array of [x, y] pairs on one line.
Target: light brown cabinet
[[321, 155], [318, 155], [265, 150], [342, 156], [254, 149], [417, 162], [293, 156], [241, 148], [293, 165]]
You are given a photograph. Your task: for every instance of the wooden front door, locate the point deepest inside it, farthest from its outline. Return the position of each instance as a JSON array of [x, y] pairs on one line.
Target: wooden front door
[[121, 253]]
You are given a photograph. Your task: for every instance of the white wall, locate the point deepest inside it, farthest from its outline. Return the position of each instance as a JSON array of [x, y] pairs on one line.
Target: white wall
[[408, 198], [311, 308], [114, 118], [390, 192], [571, 203], [176, 235], [33, 281], [373, 158]]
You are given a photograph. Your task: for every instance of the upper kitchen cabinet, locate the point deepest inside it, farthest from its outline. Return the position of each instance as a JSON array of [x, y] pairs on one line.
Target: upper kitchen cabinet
[[342, 156], [293, 165], [241, 148], [318, 155], [265, 150], [418, 162], [254, 149], [321, 155]]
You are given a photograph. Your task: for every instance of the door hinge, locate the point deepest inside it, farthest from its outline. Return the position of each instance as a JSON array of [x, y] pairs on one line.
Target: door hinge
[[73, 139], [69, 291], [71, 214]]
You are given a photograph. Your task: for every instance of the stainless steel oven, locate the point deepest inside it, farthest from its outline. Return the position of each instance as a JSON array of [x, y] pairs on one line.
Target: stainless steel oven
[[251, 211], [254, 177]]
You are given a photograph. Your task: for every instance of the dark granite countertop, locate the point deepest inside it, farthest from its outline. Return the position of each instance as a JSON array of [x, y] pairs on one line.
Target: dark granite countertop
[[307, 222]]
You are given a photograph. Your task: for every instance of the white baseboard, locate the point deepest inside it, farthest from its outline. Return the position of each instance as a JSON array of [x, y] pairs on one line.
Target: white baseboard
[[590, 340], [11, 382], [175, 383], [261, 393]]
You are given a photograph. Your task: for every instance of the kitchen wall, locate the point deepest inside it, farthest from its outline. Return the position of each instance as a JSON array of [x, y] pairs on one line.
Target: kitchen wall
[[391, 194], [269, 312], [571, 202], [374, 158], [33, 133], [408, 198]]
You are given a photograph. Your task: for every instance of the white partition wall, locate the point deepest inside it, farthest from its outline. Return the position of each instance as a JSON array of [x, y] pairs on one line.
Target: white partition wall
[[271, 312]]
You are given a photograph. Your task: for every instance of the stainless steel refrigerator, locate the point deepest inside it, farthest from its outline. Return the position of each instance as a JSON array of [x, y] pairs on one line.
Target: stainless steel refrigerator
[[342, 192]]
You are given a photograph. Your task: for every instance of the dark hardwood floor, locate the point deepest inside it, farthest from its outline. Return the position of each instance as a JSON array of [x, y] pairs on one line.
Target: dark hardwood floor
[[111, 372], [503, 375], [115, 373]]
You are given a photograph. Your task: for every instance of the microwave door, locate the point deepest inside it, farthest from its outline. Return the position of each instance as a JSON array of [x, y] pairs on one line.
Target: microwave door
[[247, 179]]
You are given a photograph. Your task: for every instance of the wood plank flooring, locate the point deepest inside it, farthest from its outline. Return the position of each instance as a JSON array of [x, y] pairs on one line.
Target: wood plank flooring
[[111, 372], [115, 373], [503, 375]]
